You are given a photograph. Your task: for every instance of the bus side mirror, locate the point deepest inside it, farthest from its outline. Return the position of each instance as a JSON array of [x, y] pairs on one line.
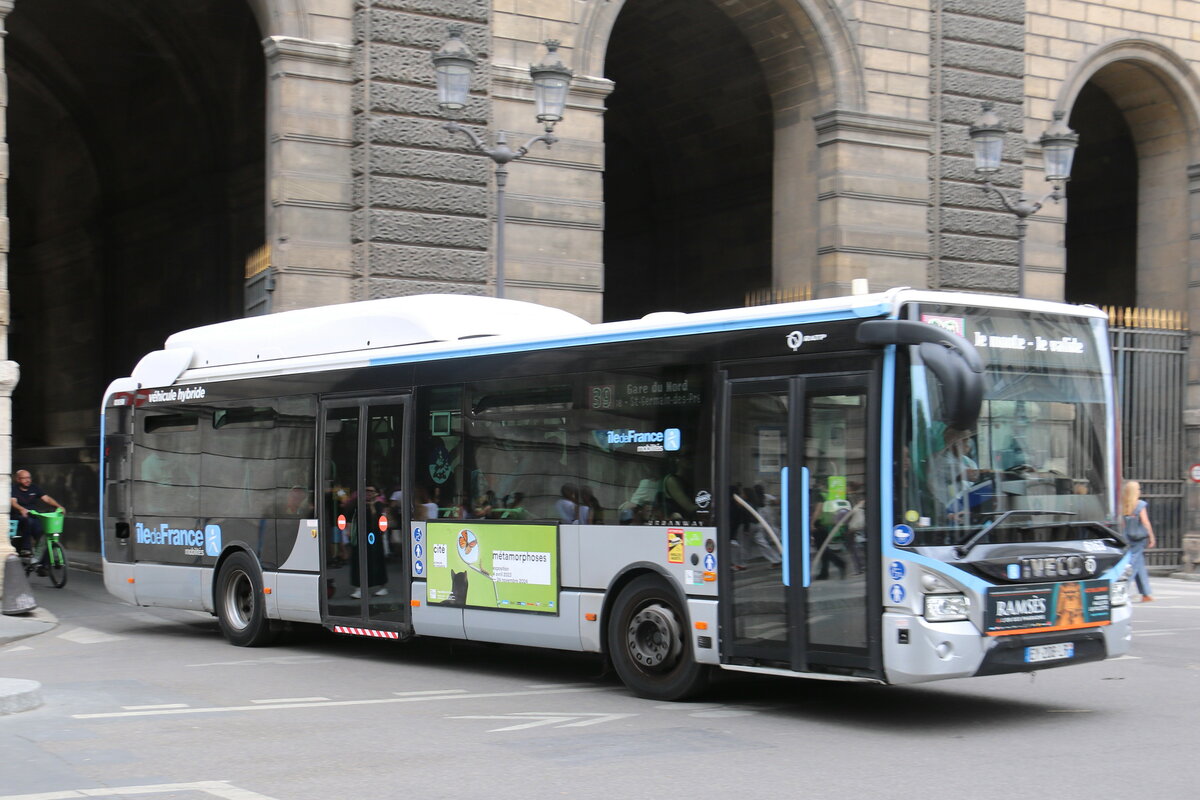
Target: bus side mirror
[[953, 360]]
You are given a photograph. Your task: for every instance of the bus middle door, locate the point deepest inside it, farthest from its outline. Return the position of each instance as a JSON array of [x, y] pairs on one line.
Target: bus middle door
[[364, 513]]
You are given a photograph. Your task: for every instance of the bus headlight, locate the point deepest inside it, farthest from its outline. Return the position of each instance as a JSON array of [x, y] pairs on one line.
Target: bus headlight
[[1120, 594], [946, 607]]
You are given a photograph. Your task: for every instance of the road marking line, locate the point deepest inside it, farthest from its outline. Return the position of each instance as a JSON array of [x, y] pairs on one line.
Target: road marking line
[[256, 662], [429, 692], [1165, 630], [291, 700], [324, 704], [159, 705], [89, 636], [215, 788], [568, 719]]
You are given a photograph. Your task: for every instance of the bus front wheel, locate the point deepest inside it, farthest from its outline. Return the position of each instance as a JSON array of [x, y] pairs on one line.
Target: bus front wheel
[[649, 645], [240, 607]]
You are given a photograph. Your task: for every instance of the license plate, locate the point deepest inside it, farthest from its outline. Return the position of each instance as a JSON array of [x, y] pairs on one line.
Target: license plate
[[1049, 652]]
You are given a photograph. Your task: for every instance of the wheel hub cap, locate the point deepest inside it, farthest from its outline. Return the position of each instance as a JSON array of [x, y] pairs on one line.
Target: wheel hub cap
[[653, 637]]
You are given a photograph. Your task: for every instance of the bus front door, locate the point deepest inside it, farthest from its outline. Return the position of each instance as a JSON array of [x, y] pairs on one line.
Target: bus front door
[[798, 533], [363, 518]]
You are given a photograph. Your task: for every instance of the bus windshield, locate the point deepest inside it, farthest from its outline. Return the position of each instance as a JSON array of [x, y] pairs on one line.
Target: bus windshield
[[1040, 444]]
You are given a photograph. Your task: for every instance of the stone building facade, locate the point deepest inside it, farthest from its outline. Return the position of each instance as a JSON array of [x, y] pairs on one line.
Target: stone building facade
[[800, 142]]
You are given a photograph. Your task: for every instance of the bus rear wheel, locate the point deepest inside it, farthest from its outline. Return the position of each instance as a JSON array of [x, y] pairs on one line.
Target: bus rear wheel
[[239, 601], [649, 645]]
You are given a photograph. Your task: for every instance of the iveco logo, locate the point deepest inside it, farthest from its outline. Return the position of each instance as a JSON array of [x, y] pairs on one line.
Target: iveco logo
[[796, 339], [1057, 567]]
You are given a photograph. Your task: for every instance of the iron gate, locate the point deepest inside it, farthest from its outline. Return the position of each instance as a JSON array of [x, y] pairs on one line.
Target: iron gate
[[1150, 358]]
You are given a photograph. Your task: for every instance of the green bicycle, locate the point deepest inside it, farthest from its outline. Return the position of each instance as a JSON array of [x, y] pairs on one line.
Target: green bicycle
[[56, 555]]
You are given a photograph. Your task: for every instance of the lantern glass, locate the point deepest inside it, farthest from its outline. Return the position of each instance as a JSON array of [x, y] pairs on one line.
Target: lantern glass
[[550, 97], [987, 140], [989, 149], [453, 85]]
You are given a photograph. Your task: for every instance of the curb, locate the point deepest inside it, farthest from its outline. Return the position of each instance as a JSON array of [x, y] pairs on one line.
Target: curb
[[18, 695]]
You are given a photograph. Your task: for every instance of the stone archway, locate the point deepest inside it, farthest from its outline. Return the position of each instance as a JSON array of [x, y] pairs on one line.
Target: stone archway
[[136, 190], [755, 88], [1140, 103]]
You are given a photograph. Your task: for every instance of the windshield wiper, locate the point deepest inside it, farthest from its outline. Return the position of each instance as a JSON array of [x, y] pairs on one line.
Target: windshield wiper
[[977, 537]]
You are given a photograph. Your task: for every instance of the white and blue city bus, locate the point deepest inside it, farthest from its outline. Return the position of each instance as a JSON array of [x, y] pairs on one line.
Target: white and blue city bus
[[892, 488]]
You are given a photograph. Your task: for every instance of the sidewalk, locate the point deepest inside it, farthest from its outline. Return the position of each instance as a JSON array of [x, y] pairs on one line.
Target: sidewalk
[[16, 694], [22, 695]]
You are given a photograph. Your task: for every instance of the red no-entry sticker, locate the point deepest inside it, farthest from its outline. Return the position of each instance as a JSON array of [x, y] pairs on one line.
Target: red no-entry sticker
[[382, 523], [341, 523]]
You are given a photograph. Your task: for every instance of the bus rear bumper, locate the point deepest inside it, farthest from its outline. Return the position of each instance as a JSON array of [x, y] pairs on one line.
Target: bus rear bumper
[[118, 580], [916, 651]]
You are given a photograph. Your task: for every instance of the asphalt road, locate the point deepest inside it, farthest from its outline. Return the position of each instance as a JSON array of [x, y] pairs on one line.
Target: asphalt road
[[152, 703]]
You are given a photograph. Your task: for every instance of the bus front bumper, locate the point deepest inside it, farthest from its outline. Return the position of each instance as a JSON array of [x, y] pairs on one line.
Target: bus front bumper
[[916, 651]]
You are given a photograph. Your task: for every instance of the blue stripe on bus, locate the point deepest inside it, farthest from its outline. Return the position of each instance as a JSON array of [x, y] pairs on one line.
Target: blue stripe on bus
[[833, 315], [786, 529], [887, 446], [805, 570]]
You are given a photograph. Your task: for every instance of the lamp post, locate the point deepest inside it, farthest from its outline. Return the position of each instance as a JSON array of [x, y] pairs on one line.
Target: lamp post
[[453, 64], [1058, 147]]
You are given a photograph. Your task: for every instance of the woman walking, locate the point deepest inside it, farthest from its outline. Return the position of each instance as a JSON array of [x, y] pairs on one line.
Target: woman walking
[[1139, 534]]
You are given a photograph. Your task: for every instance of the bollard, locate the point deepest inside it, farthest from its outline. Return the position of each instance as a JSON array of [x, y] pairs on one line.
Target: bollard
[[18, 597], [1191, 553]]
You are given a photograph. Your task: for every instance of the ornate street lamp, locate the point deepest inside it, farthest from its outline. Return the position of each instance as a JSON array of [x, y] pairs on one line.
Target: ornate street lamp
[[1058, 148], [453, 65]]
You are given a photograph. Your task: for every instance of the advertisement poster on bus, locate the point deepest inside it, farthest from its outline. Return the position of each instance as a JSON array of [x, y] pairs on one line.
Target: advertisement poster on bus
[[1047, 607], [513, 567]]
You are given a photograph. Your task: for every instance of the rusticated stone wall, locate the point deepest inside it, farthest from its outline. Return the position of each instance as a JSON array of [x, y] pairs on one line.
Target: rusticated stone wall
[[422, 199], [978, 54]]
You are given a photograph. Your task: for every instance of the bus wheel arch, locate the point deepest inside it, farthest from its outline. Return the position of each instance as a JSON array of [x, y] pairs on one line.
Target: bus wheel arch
[[239, 602], [647, 636]]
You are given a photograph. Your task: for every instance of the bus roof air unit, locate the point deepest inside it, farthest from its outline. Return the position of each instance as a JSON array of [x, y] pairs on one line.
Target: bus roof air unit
[[369, 325]]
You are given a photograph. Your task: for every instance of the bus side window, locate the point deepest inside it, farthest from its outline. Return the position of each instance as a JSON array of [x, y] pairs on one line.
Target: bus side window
[[520, 450], [439, 444], [165, 451], [639, 438]]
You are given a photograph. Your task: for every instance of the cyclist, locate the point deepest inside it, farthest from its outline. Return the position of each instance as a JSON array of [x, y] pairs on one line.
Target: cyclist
[[25, 498]]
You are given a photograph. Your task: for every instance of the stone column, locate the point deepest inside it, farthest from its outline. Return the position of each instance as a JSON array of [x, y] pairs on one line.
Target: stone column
[[309, 130], [978, 52], [9, 372], [874, 199]]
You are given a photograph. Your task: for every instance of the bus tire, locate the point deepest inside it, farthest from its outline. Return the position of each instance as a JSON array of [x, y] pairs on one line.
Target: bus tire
[[239, 600], [649, 645]]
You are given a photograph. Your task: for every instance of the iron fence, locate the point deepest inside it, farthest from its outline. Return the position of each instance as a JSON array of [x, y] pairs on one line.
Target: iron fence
[[1150, 359]]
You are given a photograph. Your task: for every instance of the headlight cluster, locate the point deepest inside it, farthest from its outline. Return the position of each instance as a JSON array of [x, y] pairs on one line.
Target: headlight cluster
[[943, 600], [946, 607], [1120, 593]]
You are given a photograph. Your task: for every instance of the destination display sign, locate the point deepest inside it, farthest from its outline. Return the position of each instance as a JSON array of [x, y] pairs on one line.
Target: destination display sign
[[1023, 339]]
